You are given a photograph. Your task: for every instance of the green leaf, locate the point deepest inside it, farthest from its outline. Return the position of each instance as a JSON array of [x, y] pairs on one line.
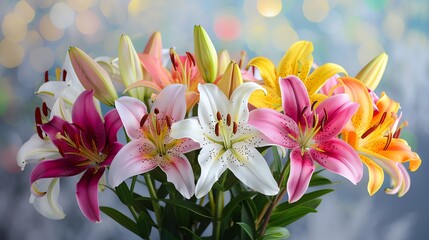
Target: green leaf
[[232, 205], [289, 216], [276, 165], [307, 197], [318, 180], [191, 206], [124, 194], [166, 235], [247, 229], [121, 219], [192, 233], [274, 233], [144, 224]]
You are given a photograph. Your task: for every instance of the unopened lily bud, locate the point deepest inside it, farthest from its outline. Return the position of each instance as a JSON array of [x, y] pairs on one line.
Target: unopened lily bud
[[205, 54], [231, 79], [223, 61], [372, 73], [130, 67], [93, 76], [154, 46]]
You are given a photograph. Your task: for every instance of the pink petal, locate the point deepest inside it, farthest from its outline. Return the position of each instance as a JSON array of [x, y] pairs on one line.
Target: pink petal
[[87, 193], [131, 111], [301, 170], [171, 102], [277, 127], [112, 123], [338, 157], [155, 70], [62, 167], [294, 98], [86, 116], [179, 172], [133, 159], [339, 109]]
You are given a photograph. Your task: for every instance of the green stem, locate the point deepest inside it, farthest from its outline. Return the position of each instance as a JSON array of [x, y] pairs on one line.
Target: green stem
[[133, 184], [152, 192], [217, 221]]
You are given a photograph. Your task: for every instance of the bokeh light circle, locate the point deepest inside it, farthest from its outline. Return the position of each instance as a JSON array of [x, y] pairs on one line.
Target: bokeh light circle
[[48, 30], [14, 27], [315, 10], [62, 15], [269, 8], [87, 22], [227, 27], [12, 53]]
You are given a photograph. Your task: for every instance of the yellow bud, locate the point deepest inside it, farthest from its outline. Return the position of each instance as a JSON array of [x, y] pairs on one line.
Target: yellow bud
[[231, 79], [130, 67], [371, 74], [205, 54], [93, 76], [223, 62]]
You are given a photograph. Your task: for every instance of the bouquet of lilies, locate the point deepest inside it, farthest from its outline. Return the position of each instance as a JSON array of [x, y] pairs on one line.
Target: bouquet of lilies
[[199, 146]]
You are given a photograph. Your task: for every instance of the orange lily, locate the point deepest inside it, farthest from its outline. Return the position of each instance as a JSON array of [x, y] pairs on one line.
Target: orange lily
[[297, 61], [375, 136]]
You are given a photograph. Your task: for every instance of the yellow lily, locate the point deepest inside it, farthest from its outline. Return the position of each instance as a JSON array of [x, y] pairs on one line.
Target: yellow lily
[[297, 61], [375, 136]]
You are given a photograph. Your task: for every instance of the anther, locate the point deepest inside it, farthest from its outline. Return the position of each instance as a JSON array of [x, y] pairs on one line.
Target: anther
[[143, 120], [303, 110], [45, 109], [217, 129], [219, 116], [389, 140], [156, 110], [234, 128], [191, 58], [173, 59], [313, 104], [228, 119], [158, 127], [314, 121], [39, 131], [383, 117], [46, 76], [64, 75], [38, 116], [168, 120]]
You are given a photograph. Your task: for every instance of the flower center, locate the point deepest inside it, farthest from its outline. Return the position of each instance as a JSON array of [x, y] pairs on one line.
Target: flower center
[[308, 130]]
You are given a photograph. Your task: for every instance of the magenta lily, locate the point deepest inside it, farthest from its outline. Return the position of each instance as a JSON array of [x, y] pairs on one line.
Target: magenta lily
[[151, 145], [311, 134], [87, 146]]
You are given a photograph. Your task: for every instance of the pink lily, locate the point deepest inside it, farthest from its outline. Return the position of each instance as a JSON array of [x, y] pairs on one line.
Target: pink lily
[[311, 133], [87, 145], [151, 145]]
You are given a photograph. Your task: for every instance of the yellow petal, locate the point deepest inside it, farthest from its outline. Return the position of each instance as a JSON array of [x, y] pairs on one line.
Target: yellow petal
[[230, 80], [371, 74], [320, 75], [267, 71], [359, 93], [396, 150], [376, 175], [271, 100], [297, 60]]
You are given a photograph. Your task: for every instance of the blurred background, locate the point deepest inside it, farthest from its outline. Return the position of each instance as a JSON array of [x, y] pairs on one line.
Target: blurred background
[[35, 36]]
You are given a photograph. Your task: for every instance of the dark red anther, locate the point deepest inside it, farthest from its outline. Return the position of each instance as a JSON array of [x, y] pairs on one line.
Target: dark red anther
[[46, 76], [191, 58], [173, 59], [156, 110], [303, 111], [64, 75], [38, 116], [39, 131], [314, 121], [313, 104], [397, 133], [383, 117], [217, 129], [143, 120], [234, 128], [369, 131], [228, 120], [389, 140], [218, 116], [45, 109], [168, 120]]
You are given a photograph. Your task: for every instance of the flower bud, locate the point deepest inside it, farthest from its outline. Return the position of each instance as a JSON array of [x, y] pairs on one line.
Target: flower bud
[[154, 46], [231, 79], [130, 67], [93, 76], [223, 61], [371, 74], [205, 54]]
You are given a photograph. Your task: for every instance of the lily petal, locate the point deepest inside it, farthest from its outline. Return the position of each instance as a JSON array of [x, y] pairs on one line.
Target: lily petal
[[188, 128], [267, 71], [250, 167], [301, 170], [212, 167], [131, 111], [35, 150], [179, 172], [48, 205], [277, 127], [171, 102], [50, 91], [112, 123], [372, 73], [295, 98], [338, 110], [376, 175], [338, 157], [239, 100], [133, 159], [297, 60], [87, 193], [321, 75], [55, 168]]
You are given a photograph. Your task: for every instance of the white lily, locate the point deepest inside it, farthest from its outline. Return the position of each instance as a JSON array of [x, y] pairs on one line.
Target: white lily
[[227, 140]]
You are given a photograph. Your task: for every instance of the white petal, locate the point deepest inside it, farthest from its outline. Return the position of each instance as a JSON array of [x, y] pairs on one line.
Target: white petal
[[212, 101], [131, 110], [48, 205], [50, 91], [212, 167], [240, 99], [62, 110], [251, 136], [250, 167], [188, 128], [35, 150]]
